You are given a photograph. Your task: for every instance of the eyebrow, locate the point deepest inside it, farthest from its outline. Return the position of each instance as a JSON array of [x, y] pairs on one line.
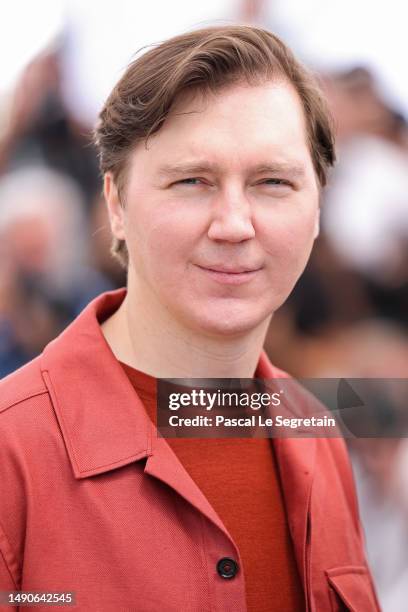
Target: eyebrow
[[288, 169], [186, 168]]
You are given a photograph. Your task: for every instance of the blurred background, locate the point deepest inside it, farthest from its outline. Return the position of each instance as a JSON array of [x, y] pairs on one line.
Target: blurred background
[[347, 316]]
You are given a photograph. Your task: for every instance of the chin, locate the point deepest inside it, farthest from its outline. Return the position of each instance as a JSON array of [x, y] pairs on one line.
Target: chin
[[227, 323]]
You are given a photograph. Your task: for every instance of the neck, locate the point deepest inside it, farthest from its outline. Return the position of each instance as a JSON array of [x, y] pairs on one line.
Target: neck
[[146, 337]]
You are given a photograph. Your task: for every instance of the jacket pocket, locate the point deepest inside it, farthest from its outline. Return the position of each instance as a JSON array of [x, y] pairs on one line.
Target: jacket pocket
[[351, 589]]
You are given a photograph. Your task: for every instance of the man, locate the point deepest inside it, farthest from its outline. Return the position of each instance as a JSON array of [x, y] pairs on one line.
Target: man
[[214, 146]]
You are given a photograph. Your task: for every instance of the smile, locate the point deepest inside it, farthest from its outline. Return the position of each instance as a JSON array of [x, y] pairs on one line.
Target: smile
[[230, 278]]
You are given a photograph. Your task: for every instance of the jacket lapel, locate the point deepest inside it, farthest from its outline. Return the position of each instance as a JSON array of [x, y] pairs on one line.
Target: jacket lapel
[[164, 465]]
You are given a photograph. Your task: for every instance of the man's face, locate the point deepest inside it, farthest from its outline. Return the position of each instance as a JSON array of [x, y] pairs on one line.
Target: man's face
[[226, 186]]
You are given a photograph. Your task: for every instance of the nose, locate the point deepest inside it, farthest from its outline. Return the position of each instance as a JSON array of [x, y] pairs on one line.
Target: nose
[[231, 218]]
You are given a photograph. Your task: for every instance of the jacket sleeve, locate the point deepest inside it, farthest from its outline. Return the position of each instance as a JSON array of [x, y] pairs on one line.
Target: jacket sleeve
[[6, 579], [12, 507]]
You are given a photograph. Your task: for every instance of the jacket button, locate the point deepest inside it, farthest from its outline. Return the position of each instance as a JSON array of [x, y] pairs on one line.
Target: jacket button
[[227, 568]]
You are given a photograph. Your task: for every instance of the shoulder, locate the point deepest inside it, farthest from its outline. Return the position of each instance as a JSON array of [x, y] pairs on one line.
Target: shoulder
[[25, 407], [22, 385]]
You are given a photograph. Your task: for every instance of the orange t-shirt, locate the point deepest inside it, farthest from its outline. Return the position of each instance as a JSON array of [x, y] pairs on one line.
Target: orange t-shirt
[[239, 477]]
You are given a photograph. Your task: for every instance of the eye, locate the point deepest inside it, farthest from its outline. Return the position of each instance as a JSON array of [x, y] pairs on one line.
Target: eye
[[275, 181], [189, 181]]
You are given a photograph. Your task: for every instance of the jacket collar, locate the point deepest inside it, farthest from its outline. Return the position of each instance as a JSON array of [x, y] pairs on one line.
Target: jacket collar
[[102, 420]]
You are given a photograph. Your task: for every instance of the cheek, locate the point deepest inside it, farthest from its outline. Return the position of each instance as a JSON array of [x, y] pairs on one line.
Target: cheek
[[289, 240], [159, 246]]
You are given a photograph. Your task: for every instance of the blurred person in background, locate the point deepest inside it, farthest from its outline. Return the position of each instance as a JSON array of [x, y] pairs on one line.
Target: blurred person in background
[[39, 128], [365, 216], [45, 279]]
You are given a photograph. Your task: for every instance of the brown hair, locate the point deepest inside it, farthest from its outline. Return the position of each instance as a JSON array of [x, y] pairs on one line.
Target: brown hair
[[207, 60]]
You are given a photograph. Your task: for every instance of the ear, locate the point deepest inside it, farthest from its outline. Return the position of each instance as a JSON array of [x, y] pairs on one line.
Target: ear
[[115, 207], [317, 224]]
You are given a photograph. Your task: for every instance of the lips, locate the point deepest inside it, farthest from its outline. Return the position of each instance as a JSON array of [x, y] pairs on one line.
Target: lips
[[225, 275], [228, 270]]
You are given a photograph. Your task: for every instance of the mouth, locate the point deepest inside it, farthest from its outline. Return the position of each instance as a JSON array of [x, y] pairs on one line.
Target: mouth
[[233, 276]]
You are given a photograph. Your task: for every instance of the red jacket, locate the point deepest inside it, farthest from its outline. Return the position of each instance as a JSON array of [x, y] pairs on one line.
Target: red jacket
[[83, 507]]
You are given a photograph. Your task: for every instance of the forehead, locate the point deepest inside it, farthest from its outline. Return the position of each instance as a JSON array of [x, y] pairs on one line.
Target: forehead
[[236, 125]]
